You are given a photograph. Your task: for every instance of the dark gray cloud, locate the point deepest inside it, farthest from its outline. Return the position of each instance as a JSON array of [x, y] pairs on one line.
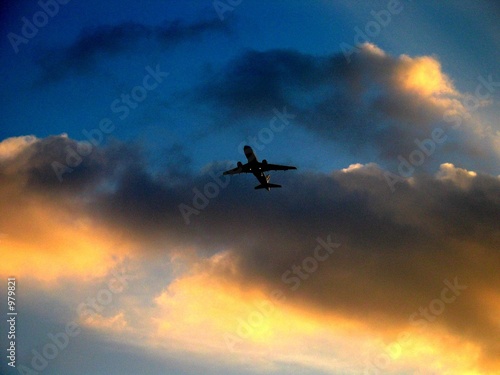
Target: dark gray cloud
[[80, 165], [111, 40], [363, 103], [396, 247]]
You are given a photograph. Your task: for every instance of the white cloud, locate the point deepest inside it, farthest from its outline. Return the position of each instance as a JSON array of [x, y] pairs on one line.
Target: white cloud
[[459, 176]]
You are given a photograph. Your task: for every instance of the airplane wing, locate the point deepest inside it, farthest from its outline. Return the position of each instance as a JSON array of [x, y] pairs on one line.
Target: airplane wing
[[275, 167], [239, 169]]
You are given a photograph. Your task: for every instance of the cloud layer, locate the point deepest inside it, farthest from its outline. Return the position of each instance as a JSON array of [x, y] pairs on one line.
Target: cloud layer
[[397, 248], [375, 103]]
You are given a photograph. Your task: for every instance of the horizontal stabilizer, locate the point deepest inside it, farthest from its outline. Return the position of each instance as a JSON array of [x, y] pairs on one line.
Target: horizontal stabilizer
[[268, 186]]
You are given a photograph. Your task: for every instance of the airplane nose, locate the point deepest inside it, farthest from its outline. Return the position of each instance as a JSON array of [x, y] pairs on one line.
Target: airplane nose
[[249, 153]]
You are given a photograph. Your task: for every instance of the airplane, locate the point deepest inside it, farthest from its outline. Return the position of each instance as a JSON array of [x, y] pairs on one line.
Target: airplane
[[258, 169]]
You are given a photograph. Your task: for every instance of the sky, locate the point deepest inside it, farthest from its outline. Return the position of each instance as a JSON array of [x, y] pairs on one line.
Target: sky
[[132, 253]]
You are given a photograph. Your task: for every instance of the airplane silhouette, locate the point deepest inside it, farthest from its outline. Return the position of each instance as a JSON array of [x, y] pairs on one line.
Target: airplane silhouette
[[258, 169]]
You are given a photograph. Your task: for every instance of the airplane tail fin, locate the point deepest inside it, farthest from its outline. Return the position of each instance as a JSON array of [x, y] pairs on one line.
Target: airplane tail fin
[[268, 186]]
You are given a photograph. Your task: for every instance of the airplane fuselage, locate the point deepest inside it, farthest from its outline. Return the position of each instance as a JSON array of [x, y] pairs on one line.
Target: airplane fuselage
[[255, 167]]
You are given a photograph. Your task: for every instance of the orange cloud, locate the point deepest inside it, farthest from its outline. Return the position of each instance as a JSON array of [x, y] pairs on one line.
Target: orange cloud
[[51, 248], [10, 147], [116, 322], [45, 242], [43, 237], [207, 313], [423, 75]]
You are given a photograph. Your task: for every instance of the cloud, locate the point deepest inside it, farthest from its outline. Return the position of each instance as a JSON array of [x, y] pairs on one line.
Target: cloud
[[10, 147], [261, 329], [424, 76], [254, 327], [458, 176], [112, 40], [44, 230], [377, 103], [397, 248]]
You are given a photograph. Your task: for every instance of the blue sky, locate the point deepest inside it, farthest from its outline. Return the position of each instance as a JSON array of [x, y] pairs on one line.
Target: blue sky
[[397, 147]]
